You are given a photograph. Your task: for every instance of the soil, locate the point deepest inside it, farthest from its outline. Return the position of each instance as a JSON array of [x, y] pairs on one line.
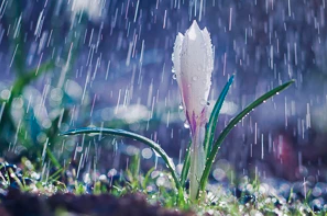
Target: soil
[[17, 203]]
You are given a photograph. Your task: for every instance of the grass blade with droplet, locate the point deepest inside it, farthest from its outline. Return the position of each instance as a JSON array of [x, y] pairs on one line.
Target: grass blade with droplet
[[119, 132], [230, 126]]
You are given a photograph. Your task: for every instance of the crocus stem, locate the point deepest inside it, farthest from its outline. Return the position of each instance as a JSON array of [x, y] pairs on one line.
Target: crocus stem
[[197, 160]]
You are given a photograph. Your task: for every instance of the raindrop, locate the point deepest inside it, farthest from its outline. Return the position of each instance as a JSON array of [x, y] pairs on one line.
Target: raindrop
[[174, 76], [180, 107], [186, 125], [5, 94]]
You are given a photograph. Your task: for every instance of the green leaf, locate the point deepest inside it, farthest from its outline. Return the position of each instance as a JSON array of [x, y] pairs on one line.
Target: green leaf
[[146, 179], [119, 132], [230, 126], [53, 159], [134, 166], [212, 125], [186, 165]]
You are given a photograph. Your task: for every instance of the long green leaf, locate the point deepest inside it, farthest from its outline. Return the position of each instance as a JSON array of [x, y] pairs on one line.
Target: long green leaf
[[186, 165], [230, 126], [119, 132], [212, 125]]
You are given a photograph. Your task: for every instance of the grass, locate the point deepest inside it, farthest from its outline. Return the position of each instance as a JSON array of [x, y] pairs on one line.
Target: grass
[[257, 199]]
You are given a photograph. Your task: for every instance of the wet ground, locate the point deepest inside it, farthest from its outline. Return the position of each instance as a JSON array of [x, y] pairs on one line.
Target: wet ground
[[16, 203]]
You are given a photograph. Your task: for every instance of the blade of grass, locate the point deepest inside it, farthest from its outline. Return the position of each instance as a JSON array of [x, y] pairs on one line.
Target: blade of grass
[[212, 125], [186, 165], [119, 132], [230, 126], [53, 159], [146, 179], [55, 176]]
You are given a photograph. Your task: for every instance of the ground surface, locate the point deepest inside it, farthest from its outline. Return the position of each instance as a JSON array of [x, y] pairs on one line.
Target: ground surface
[[16, 203]]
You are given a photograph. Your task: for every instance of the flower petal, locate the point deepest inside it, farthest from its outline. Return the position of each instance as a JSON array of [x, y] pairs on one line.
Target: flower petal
[[196, 68]]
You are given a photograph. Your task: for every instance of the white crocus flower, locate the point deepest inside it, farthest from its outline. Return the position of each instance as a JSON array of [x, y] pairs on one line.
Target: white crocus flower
[[193, 65]]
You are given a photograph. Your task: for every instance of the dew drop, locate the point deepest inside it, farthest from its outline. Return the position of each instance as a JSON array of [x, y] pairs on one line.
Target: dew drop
[[186, 125], [174, 76]]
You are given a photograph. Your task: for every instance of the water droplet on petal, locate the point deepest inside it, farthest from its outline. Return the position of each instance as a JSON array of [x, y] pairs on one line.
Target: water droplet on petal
[[186, 125], [180, 107], [174, 76], [203, 102]]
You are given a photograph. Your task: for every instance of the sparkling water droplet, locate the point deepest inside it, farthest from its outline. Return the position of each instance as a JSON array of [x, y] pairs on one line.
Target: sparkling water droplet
[[186, 125], [180, 107], [174, 76]]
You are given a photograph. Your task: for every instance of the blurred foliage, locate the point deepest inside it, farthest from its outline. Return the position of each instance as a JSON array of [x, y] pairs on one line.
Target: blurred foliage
[[30, 120]]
